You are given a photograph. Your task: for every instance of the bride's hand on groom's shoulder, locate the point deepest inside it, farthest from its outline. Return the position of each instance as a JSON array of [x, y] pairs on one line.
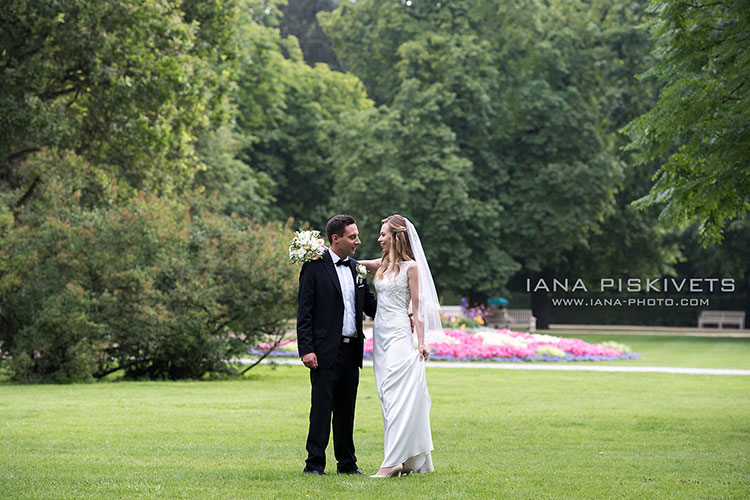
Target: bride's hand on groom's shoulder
[[371, 265]]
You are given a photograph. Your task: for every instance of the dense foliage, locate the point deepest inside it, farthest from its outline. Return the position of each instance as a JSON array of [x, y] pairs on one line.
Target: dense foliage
[[156, 287], [145, 145], [126, 85], [699, 128], [494, 132], [109, 260], [497, 130]]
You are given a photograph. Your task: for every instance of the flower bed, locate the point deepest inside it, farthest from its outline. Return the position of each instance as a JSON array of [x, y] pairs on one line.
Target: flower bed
[[487, 344], [286, 348]]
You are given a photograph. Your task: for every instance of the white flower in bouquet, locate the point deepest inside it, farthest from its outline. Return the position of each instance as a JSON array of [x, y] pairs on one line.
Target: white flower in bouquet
[[306, 246]]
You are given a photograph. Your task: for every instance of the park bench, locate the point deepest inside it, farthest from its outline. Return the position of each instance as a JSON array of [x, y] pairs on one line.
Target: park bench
[[721, 318], [522, 317], [510, 317]]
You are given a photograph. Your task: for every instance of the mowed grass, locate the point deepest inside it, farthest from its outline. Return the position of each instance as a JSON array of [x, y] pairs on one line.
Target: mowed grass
[[497, 434], [676, 351]]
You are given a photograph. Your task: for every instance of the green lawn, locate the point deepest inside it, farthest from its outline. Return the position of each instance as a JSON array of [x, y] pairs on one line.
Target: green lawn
[[497, 434], [665, 350]]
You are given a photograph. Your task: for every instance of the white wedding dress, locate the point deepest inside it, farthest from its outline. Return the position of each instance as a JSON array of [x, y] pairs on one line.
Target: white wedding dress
[[400, 378]]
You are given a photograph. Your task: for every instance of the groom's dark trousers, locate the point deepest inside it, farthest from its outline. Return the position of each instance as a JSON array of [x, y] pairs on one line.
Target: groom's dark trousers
[[334, 382], [334, 391]]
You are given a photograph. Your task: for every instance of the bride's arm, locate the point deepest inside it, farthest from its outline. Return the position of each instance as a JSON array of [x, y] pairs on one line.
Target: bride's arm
[[412, 274], [371, 265]]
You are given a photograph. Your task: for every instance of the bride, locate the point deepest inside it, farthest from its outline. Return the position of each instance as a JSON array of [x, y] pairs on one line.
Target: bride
[[402, 278]]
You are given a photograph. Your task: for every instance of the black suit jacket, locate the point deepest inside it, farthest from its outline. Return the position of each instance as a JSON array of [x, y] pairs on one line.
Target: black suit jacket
[[320, 310]]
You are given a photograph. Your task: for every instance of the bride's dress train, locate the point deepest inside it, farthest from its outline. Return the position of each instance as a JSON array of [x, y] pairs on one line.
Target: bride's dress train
[[400, 378]]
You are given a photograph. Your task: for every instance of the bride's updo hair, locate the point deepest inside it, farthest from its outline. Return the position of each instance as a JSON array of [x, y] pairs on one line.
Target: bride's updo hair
[[398, 249]]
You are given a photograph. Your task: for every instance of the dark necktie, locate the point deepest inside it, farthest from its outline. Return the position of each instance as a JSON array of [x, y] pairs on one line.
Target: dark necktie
[[343, 262]]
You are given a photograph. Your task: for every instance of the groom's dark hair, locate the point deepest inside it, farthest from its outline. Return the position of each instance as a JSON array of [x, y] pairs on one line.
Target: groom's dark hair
[[337, 224]]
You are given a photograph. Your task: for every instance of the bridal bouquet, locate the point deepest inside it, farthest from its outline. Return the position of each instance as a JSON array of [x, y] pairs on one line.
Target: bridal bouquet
[[306, 246]]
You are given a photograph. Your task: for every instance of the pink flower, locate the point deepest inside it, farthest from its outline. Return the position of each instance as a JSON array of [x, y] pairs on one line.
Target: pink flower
[[461, 344], [267, 345]]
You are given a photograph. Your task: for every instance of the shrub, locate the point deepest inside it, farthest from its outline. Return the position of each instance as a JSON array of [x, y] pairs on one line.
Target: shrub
[[155, 287]]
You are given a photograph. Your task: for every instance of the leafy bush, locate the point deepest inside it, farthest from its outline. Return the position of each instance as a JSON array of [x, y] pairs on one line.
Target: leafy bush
[[155, 287]]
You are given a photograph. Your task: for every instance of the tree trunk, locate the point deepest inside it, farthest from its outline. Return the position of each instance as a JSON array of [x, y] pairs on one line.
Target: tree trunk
[[540, 305]]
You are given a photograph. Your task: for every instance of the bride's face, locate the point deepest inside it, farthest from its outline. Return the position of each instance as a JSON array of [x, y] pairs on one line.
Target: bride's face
[[385, 236]]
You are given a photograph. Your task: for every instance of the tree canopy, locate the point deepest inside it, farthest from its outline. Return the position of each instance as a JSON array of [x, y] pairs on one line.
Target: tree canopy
[[126, 85], [490, 119], [698, 131]]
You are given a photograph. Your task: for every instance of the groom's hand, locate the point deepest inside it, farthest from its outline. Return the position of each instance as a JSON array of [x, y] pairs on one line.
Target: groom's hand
[[310, 360]]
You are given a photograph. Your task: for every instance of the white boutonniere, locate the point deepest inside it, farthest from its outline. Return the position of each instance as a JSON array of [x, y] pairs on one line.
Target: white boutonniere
[[361, 273]]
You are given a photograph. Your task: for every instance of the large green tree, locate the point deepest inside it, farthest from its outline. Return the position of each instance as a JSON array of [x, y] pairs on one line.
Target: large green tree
[[287, 114], [509, 98], [698, 131], [127, 85], [404, 160], [629, 241]]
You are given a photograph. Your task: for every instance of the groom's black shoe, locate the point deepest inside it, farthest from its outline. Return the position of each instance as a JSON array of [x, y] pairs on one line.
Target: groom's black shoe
[[317, 472], [352, 471]]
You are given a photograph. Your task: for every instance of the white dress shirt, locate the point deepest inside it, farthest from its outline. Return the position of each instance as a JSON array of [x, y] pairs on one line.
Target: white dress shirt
[[346, 280]]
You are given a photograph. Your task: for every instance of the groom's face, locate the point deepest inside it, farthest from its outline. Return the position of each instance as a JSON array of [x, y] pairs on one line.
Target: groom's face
[[347, 244]]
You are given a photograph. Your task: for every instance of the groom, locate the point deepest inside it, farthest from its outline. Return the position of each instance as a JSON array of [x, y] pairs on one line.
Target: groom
[[330, 341]]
